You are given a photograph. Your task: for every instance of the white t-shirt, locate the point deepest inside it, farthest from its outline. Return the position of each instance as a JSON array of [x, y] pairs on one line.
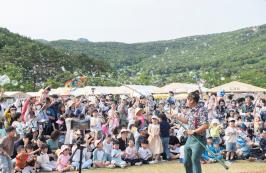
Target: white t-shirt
[[144, 153], [96, 124], [231, 134], [131, 113], [107, 147]]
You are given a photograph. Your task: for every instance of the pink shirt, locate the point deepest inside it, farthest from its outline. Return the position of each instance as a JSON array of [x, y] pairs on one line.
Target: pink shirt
[[62, 162], [142, 119], [131, 152]]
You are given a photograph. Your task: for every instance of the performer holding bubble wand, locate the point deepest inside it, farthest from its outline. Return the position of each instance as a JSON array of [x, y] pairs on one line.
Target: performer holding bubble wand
[[197, 120]]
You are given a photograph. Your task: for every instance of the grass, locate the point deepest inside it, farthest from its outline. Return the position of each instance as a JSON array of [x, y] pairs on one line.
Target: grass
[[175, 167]]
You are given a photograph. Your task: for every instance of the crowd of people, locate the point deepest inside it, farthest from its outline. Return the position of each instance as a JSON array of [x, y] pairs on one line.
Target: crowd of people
[[36, 134]]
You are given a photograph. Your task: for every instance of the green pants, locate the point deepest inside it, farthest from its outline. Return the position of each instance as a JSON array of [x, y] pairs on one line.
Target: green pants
[[193, 151]]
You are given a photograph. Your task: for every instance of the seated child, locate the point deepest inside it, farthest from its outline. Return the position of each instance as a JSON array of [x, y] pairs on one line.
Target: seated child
[[144, 152], [174, 146], [86, 163], [21, 159], [31, 162], [131, 154], [63, 163], [206, 156], [108, 146], [116, 156], [218, 151], [99, 156], [44, 160]]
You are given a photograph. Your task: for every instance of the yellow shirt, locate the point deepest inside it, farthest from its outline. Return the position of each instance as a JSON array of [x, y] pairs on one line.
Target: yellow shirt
[[215, 132]]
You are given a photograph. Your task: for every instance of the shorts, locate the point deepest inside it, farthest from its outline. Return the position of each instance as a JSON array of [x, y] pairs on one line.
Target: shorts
[[230, 147]]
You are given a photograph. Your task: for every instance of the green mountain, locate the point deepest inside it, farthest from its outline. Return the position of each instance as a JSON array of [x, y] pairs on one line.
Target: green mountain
[[31, 65], [216, 58]]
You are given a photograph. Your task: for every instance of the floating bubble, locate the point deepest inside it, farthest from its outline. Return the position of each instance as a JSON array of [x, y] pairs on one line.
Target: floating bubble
[[76, 73], [21, 86], [154, 56], [222, 78], [14, 82], [206, 72], [63, 68], [4, 80], [233, 77]]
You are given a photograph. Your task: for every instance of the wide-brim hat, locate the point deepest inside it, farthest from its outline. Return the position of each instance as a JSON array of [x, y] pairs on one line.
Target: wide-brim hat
[[63, 148], [97, 142], [137, 110]]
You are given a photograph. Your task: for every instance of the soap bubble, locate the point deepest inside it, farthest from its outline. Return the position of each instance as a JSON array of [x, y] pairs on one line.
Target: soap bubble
[[222, 78], [4, 80], [63, 68], [14, 82], [154, 56]]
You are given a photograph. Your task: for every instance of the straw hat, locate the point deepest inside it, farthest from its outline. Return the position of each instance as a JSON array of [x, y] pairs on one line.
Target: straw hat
[[97, 142], [137, 110]]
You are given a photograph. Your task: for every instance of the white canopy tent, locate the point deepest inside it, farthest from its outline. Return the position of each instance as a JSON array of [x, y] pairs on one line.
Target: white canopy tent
[[34, 94], [178, 88], [237, 87], [138, 90], [15, 94]]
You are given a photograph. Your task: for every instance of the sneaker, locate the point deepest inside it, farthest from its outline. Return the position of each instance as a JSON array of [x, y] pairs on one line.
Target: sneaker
[[153, 162], [111, 166], [138, 163], [123, 166]]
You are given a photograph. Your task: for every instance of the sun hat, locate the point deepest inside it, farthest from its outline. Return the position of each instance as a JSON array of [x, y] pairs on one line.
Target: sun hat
[[138, 110], [231, 119], [215, 121], [97, 142], [124, 130], [63, 148]]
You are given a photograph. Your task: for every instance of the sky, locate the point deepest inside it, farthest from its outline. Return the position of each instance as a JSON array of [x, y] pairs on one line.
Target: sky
[[128, 21]]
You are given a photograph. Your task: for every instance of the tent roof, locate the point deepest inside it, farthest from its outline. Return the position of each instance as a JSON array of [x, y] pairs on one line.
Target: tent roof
[[15, 94], [137, 90], [34, 94], [179, 88], [239, 87]]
